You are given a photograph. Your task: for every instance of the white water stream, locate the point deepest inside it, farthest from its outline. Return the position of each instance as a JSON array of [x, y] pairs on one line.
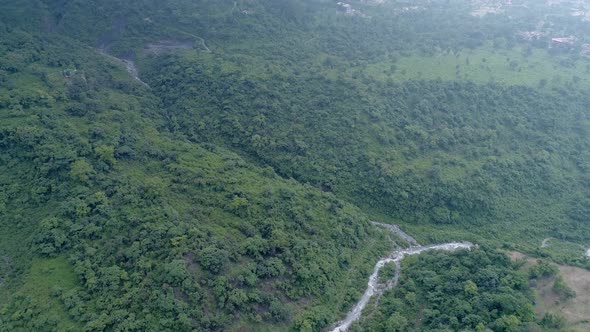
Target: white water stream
[[132, 70], [129, 66], [374, 288]]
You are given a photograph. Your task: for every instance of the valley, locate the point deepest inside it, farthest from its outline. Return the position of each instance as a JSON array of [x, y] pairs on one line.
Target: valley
[[218, 165]]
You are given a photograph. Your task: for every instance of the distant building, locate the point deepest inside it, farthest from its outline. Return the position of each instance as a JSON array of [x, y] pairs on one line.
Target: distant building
[[564, 40], [530, 35], [69, 72], [346, 8]]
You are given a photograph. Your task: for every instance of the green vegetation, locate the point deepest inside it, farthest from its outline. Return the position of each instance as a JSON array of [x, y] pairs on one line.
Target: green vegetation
[[476, 290], [233, 189], [543, 269], [484, 166], [35, 305], [158, 233], [561, 288], [387, 272], [487, 65]]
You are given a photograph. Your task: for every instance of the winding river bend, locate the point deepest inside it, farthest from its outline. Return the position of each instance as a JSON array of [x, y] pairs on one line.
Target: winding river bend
[[375, 288]]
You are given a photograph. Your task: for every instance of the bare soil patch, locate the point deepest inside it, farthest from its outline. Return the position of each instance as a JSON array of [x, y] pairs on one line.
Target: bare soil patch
[[576, 310]]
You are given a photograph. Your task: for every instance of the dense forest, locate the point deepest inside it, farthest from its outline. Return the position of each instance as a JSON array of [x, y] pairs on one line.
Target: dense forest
[[466, 291], [215, 165], [101, 185]]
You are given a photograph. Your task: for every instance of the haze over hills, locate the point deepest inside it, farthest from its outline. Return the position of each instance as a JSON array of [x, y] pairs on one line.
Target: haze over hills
[[216, 165]]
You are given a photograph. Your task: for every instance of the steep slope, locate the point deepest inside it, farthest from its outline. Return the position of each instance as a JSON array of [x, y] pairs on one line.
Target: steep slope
[[345, 104], [110, 223], [483, 156], [426, 152]]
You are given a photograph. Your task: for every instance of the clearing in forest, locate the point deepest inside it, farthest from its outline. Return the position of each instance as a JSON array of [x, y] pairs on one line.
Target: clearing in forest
[[575, 310]]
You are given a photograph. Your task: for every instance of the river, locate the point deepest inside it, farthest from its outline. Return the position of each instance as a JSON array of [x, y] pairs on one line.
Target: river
[[374, 288]]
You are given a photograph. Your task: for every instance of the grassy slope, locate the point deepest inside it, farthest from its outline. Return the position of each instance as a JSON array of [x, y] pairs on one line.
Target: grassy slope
[[483, 65], [47, 274]]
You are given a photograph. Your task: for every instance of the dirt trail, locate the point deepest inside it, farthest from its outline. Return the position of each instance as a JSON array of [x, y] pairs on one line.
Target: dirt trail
[[164, 46], [203, 44], [545, 242], [200, 39]]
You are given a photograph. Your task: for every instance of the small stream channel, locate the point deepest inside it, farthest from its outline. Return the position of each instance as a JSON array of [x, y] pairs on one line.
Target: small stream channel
[[374, 288]]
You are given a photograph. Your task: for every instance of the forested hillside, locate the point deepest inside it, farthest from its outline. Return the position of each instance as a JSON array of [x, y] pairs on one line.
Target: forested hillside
[[130, 227], [214, 165], [474, 151], [464, 291]]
